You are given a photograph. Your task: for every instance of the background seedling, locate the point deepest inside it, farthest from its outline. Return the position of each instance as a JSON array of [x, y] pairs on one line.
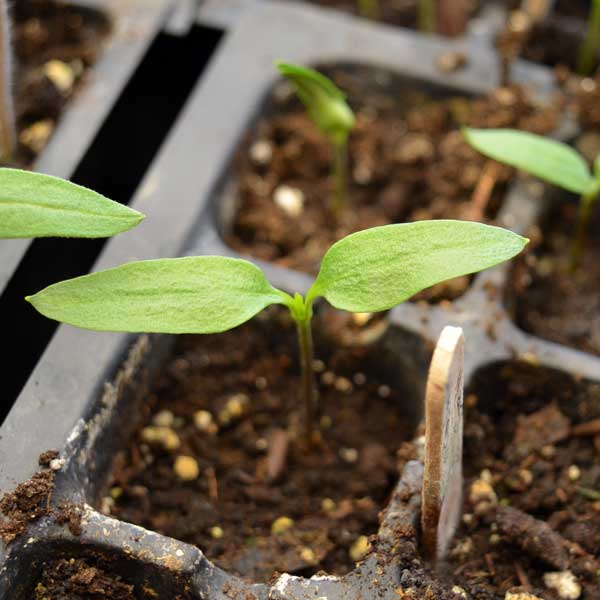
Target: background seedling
[[327, 107], [588, 55], [447, 17], [7, 118], [369, 271], [549, 160], [36, 205], [369, 9], [442, 476], [427, 16]]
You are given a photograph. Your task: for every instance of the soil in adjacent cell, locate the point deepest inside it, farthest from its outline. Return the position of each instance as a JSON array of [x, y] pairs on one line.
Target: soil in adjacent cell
[[558, 40], [402, 13], [408, 161], [54, 46], [546, 297], [531, 517], [221, 461]]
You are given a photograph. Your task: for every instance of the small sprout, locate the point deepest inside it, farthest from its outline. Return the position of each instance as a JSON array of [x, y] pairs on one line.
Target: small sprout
[[327, 107], [281, 525], [36, 205], [369, 271], [588, 54], [186, 468], [549, 160], [369, 9], [360, 548]]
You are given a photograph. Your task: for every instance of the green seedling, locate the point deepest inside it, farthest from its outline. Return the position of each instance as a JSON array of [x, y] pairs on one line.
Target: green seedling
[[369, 271], [549, 160], [588, 55], [369, 9], [327, 107], [7, 119], [35, 205], [427, 16]]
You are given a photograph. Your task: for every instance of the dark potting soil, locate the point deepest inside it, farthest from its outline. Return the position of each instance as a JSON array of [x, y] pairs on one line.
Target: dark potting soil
[[532, 486], [54, 45], [220, 459], [408, 161], [545, 297], [558, 40], [401, 13]]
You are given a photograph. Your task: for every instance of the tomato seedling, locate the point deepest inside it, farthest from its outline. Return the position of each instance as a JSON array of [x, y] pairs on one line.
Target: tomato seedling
[[369, 271]]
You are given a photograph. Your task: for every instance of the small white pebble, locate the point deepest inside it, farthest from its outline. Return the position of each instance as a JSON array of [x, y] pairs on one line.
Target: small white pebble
[[186, 468], [281, 525], [318, 366], [342, 384], [261, 152], [458, 590], [520, 596], [60, 74], [574, 472], [361, 319], [203, 420], [360, 548], [164, 418], [384, 391], [360, 378], [349, 455], [290, 200], [565, 583], [262, 444], [328, 378], [216, 532]]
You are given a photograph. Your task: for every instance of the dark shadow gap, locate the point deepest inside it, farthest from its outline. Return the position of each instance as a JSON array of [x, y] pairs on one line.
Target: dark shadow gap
[[114, 165]]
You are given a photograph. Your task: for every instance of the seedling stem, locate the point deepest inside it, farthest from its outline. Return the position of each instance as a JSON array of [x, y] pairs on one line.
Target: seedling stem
[[369, 9], [7, 119], [427, 16], [584, 216], [588, 57], [340, 177]]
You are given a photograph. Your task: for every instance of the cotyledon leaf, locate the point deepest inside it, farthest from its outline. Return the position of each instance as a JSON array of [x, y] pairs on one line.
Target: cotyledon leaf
[[203, 294], [37, 205], [378, 268], [543, 157]]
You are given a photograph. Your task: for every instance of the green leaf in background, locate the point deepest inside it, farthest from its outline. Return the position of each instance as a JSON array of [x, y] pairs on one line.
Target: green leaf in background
[[36, 205], [326, 104], [205, 294], [378, 268], [545, 158]]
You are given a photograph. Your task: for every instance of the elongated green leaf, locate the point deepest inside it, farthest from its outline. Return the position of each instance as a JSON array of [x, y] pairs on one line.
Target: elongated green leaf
[[204, 294], [36, 205], [545, 158], [378, 268], [326, 104]]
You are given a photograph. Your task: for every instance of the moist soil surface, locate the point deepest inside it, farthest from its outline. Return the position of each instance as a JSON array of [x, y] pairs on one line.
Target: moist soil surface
[[546, 297], [82, 579], [557, 41], [532, 486], [221, 459], [408, 161], [54, 45]]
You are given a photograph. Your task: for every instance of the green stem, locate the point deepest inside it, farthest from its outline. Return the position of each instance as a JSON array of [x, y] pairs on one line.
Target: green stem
[[340, 178], [308, 379], [7, 122], [369, 9], [584, 215], [427, 16], [588, 55]]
